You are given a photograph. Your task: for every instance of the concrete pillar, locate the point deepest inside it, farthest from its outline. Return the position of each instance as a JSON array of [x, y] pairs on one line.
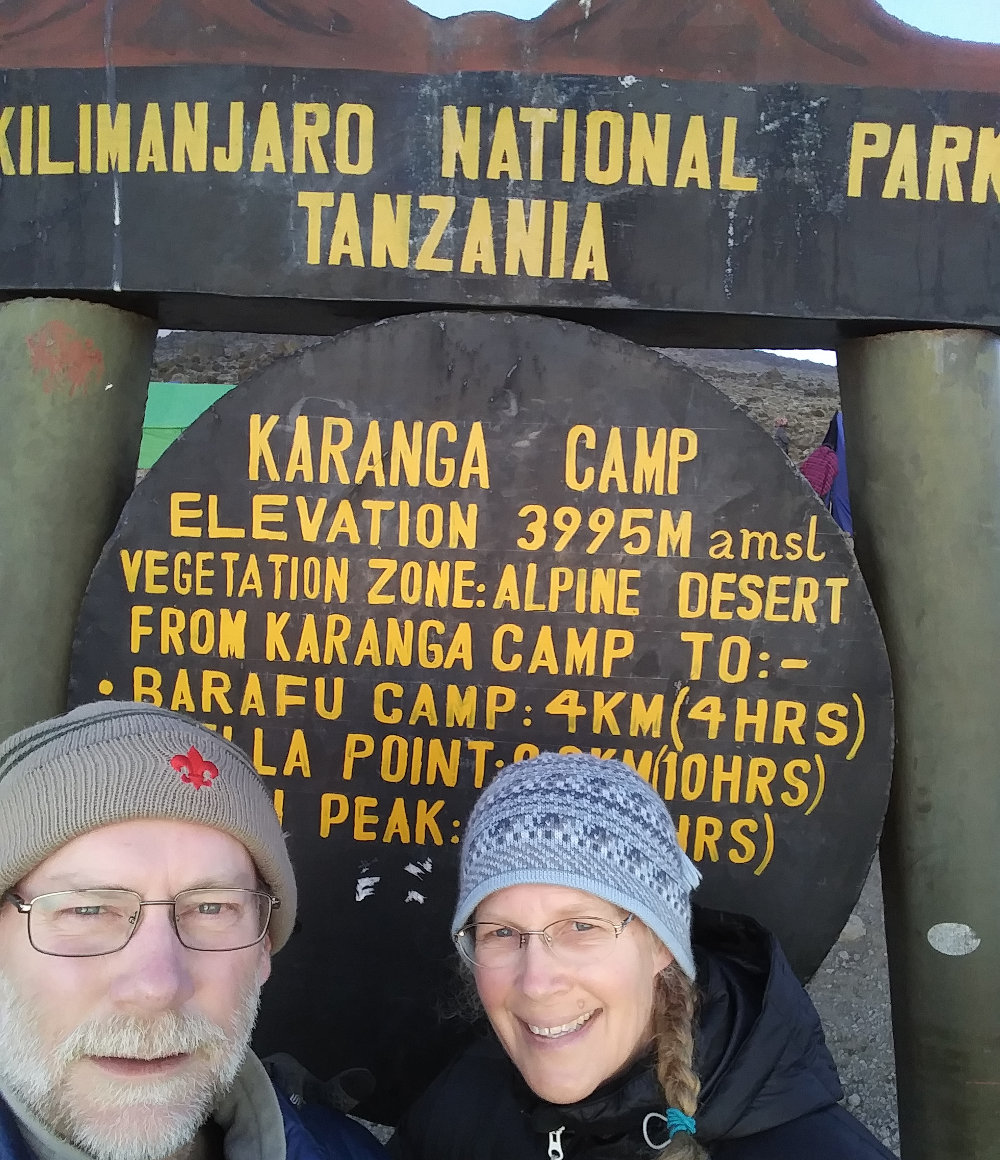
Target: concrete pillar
[[922, 427], [73, 380]]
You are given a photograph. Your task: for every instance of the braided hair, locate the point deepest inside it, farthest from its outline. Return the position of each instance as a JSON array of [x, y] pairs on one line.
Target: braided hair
[[674, 1001]]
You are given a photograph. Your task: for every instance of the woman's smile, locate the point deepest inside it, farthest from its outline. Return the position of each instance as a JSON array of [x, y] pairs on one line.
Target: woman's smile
[[563, 1029]]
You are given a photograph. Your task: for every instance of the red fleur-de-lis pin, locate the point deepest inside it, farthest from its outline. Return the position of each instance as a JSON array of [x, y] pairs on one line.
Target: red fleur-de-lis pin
[[196, 770]]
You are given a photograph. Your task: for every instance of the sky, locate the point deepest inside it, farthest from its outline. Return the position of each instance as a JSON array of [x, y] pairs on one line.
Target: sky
[[963, 19]]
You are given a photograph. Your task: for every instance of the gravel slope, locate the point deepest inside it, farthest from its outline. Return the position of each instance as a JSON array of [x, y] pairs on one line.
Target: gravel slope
[[851, 992]]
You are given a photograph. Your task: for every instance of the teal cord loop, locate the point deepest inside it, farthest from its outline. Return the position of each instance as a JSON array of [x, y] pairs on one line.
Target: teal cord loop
[[678, 1122], [675, 1120]]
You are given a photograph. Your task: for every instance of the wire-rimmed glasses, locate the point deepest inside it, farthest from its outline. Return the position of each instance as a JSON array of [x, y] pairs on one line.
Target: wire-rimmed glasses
[[101, 920], [577, 941]]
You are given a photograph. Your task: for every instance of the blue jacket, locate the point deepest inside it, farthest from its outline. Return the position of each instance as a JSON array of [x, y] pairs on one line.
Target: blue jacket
[[311, 1133]]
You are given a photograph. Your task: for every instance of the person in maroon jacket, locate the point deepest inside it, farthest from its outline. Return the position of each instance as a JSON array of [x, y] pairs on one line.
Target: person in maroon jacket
[[820, 467]]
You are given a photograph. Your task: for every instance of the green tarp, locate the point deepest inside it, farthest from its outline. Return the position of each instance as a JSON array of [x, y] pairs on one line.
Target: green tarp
[[170, 408]]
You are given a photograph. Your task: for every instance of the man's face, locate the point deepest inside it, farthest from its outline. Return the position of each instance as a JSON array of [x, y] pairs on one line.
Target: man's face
[[124, 1054]]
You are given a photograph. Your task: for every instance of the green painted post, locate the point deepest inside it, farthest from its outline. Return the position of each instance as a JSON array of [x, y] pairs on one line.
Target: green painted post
[[73, 378], [922, 426]]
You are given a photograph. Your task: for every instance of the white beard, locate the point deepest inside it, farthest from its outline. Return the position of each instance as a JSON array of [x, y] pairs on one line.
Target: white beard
[[123, 1119]]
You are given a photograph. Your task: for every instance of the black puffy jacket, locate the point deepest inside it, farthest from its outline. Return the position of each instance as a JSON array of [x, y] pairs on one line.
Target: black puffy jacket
[[769, 1086]]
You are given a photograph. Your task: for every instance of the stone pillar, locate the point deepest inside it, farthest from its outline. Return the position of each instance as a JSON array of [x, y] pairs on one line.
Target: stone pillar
[[922, 427], [73, 380]]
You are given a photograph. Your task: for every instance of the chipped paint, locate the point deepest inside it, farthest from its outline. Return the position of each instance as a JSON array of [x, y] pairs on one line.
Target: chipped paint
[[365, 887], [953, 938], [413, 896], [67, 360], [117, 261]]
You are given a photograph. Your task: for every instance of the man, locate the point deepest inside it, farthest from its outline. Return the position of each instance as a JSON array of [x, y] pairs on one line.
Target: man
[[144, 885]]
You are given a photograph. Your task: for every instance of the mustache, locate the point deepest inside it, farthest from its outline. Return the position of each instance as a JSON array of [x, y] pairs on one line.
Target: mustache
[[133, 1037]]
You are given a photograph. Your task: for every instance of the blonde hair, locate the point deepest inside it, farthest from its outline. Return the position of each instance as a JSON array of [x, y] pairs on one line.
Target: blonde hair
[[674, 1003]]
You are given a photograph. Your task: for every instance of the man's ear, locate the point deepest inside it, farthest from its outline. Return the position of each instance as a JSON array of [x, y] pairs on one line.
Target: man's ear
[[264, 970]]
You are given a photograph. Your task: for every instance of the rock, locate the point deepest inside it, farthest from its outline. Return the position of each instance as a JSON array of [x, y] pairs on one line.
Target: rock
[[853, 930]]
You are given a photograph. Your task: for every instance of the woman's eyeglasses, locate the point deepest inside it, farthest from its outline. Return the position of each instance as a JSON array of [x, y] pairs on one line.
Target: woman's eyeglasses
[[572, 941]]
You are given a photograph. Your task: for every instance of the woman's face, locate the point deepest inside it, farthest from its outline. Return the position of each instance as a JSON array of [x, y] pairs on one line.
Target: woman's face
[[568, 1028]]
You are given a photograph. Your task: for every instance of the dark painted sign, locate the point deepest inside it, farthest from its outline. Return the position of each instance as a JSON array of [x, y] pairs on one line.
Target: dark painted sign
[[811, 171], [572, 192], [393, 563]]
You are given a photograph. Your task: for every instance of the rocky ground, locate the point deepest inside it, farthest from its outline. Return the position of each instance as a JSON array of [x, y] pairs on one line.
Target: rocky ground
[[851, 992], [851, 988], [768, 386]]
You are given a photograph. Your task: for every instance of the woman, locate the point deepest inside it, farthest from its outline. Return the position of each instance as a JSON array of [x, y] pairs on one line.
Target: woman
[[574, 915]]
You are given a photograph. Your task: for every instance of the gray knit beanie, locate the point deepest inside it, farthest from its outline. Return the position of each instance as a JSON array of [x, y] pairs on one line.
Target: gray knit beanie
[[585, 822], [118, 761]]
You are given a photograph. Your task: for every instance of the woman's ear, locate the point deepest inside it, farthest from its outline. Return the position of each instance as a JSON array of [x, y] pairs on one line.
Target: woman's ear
[[662, 958]]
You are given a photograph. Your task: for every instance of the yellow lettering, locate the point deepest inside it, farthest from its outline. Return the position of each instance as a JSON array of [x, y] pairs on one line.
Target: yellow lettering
[[604, 153], [390, 230], [951, 145], [268, 150], [479, 246], [458, 143], [190, 137], [310, 123], [346, 237], [987, 170], [504, 157], [902, 175], [648, 151], [727, 177], [427, 258], [868, 139], [693, 162]]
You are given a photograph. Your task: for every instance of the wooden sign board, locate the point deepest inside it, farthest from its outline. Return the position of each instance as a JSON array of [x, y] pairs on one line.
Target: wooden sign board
[[397, 561], [811, 174]]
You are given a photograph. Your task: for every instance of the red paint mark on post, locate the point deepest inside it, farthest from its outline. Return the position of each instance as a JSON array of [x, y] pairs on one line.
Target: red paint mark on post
[[68, 360]]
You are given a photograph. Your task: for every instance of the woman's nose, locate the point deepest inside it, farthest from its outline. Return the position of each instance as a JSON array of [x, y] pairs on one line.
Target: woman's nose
[[540, 972]]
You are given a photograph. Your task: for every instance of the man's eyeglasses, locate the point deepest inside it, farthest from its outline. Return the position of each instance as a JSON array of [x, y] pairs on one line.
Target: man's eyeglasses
[[573, 941], [85, 923]]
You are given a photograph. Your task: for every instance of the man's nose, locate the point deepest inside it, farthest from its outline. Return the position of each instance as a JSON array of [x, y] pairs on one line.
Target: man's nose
[[153, 971]]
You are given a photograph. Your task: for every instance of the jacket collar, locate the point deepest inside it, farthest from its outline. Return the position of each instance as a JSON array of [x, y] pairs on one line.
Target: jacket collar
[[759, 1048], [12, 1144], [611, 1110]]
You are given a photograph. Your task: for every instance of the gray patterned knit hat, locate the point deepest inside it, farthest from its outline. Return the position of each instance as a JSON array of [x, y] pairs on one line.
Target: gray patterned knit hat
[[585, 822], [117, 761]]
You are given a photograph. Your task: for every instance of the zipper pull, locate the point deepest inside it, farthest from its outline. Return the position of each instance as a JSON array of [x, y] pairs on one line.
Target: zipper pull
[[555, 1143]]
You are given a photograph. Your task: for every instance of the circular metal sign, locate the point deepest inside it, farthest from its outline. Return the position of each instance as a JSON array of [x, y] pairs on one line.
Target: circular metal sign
[[392, 563]]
